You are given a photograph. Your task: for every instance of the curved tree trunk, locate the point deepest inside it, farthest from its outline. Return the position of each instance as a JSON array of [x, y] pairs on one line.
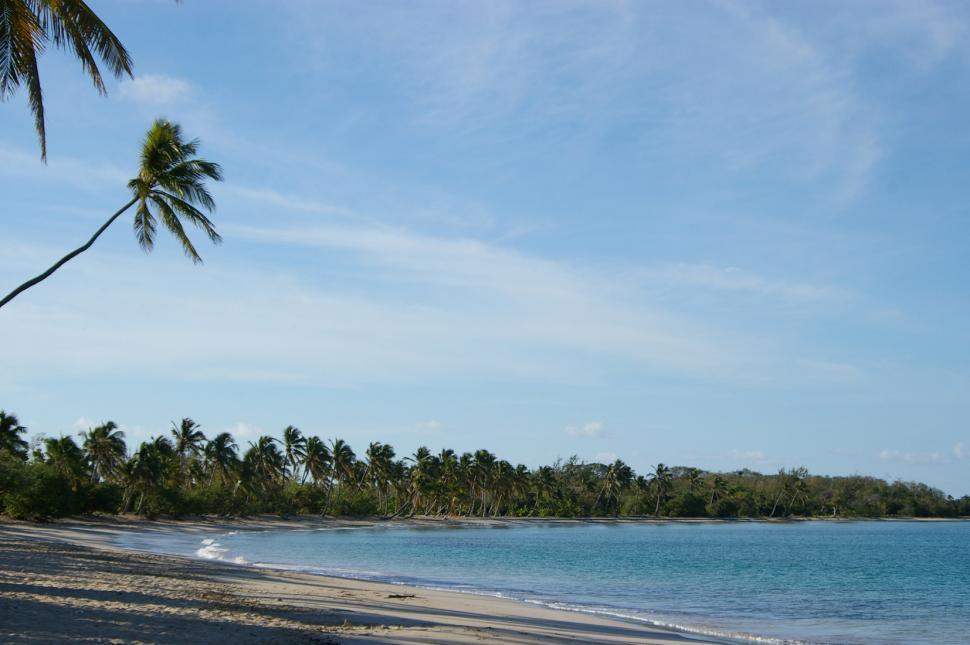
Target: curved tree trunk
[[64, 260]]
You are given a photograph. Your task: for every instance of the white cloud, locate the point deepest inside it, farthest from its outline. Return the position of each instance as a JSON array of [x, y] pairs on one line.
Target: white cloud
[[84, 423], [734, 279], [750, 457], [243, 433], [79, 173], [832, 371], [960, 451], [282, 200], [154, 89], [593, 429], [913, 457]]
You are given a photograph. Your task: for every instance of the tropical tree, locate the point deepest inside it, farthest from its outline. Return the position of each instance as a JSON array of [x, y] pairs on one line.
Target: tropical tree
[[171, 181], [693, 478], [380, 457], [104, 447], [718, 488], [189, 442], [10, 431], [661, 481], [316, 460], [66, 458], [221, 458], [294, 449], [343, 461], [482, 469], [264, 466], [27, 27], [145, 472], [618, 478]]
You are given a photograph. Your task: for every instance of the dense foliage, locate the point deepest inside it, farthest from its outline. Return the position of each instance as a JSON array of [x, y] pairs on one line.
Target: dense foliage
[[187, 474]]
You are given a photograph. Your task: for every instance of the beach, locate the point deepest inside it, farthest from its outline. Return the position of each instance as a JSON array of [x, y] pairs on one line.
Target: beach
[[67, 581]]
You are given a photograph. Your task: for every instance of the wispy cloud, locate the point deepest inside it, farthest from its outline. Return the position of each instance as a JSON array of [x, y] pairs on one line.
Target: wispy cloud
[[80, 173], [154, 89], [748, 457], [913, 457], [592, 430], [736, 279], [960, 451]]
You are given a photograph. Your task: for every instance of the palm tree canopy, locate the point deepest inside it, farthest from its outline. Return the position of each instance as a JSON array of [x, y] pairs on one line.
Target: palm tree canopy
[[26, 29], [104, 447], [10, 431], [188, 438], [171, 183]]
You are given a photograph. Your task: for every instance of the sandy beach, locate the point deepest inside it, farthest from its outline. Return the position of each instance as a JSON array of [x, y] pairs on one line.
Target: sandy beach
[[66, 582]]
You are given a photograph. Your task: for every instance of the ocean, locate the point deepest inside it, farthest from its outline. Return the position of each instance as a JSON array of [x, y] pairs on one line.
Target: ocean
[[798, 582]]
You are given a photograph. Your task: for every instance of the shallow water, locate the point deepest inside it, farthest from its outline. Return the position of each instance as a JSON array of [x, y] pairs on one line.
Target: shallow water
[[816, 582]]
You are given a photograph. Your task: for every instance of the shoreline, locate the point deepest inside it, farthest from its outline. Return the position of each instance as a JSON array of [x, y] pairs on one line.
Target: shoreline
[[55, 576]]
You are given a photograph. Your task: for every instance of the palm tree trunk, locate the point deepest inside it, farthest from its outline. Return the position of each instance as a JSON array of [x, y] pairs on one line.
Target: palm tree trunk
[[78, 251]]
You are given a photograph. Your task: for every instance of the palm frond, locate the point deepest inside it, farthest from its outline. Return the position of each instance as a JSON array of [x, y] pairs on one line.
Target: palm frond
[[144, 226], [35, 97], [172, 223], [194, 215], [19, 33], [71, 24]]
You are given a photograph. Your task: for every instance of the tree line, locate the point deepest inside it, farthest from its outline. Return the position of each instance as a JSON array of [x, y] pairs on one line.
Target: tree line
[[186, 473]]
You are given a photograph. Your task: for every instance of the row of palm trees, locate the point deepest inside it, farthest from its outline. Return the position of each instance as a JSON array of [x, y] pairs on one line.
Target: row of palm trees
[[445, 483], [185, 471]]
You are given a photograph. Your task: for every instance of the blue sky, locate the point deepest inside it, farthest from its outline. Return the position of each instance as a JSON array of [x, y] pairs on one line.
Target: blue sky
[[716, 234]]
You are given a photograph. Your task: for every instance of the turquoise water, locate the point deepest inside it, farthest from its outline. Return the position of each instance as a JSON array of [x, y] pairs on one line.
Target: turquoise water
[[815, 582]]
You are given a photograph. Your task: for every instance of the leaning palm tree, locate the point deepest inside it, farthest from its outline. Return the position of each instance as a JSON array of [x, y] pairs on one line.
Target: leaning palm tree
[[26, 29], [104, 447], [221, 458], [343, 461], [10, 431], [171, 181], [316, 461]]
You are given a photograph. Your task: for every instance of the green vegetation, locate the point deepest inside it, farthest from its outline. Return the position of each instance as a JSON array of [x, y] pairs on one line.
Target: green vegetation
[[28, 27], [186, 474], [170, 183]]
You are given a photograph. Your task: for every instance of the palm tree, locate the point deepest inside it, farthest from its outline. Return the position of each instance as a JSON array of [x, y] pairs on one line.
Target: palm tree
[[264, 465], [316, 460], [482, 468], [343, 461], [145, 472], [544, 485], [693, 479], [294, 448], [66, 458], [26, 28], [10, 431], [662, 481], [105, 449], [618, 477], [221, 457], [379, 459], [189, 441], [171, 181], [718, 488]]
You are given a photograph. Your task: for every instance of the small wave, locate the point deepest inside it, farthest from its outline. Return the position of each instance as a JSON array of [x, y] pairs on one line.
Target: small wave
[[211, 551]]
